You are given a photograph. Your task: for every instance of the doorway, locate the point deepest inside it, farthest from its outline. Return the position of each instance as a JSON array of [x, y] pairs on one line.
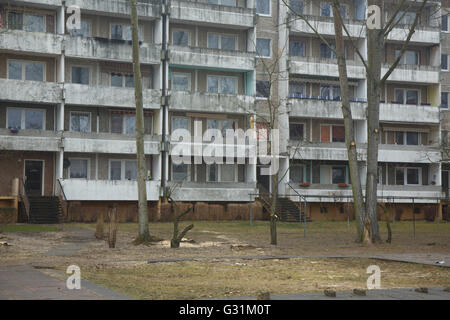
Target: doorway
[[34, 177], [263, 180]]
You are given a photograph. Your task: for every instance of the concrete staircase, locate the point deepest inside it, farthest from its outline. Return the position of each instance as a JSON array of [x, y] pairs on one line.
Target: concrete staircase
[[44, 210]]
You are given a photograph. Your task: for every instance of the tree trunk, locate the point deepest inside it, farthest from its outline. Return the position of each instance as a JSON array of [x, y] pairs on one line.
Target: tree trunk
[[177, 236], [144, 233], [350, 142], [273, 210], [99, 229], [112, 236], [374, 49]]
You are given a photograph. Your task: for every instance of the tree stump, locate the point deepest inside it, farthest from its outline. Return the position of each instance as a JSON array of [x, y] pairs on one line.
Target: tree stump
[[112, 236], [100, 228]]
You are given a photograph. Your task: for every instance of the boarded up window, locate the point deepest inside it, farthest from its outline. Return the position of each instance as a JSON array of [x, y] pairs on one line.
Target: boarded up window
[[325, 134]]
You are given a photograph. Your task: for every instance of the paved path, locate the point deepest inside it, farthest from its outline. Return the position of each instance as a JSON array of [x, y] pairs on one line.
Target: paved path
[[27, 283], [436, 293], [75, 240], [424, 258]]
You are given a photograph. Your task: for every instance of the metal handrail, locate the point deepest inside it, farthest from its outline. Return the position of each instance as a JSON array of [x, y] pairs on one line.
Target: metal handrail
[[25, 200], [298, 194], [63, 194]]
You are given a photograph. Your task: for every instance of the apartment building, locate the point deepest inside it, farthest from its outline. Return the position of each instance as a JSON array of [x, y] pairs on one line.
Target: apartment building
[[67, 115]]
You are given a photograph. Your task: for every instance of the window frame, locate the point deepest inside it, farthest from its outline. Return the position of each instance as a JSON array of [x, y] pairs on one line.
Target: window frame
[[447, 94], [184, 30], [122, 169], [446, 56], [220, 34], [88, 169], [405, 96], [219, 173], [80, 112], [265, 14], [345, 173], [220, 77], [405, 175], [123, 79], [270, 49], [140, 31], [22, 61], [89, 22], [188, 173], [181, 74], [448, 29], [23, 120], [179, 117], [304, 130], [331, 132], [84, 67], [262, 97]]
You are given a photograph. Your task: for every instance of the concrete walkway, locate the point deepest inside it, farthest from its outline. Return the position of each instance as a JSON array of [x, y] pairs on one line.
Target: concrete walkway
[[27, 283]]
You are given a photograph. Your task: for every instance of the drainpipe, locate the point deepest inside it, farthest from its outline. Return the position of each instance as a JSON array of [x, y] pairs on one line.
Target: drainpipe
[[164, 97]]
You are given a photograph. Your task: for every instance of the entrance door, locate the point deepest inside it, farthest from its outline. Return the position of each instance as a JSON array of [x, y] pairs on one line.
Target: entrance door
[[33, 177], [263, 180]]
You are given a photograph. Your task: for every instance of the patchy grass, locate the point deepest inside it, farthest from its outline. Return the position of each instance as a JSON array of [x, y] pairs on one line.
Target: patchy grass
[[28, 228], [196, 280]]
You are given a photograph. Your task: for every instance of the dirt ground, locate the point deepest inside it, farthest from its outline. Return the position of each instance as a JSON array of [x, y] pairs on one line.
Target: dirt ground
[[126, 267]]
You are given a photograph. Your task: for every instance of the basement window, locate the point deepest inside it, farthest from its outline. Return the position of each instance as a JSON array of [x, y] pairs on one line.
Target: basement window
[[25, 119]]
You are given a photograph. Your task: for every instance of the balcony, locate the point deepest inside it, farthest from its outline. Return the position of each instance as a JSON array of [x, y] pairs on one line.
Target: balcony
[[30, 140], [211, 102], [408, 154], [324, 67], [107, 143], [409, 113], [43, 3], [77, 94], [110, 50], [204, 13], [215, 192], [335, 151], [145, 9], [417, 74], [422, 35], [212, 58], [325, 26], [104, 190], [31, 42], [333, 193], [315, 108], [30, 91]]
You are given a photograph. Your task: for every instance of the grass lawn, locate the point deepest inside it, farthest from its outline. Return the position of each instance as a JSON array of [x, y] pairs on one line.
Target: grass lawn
[[27, 228], [196, 280]]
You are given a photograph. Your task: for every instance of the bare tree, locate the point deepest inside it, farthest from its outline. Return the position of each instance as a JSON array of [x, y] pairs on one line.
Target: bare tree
[[144, 233]]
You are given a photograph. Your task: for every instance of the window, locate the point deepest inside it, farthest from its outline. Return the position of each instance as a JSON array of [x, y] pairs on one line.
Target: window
[[296, 48], [80, 121], [262, 89], [332, 133], [409, 57], [181, 82], [79, 168], [221, 173], [123, 170], [296, 174], [221, 41], [180, 38], [330, 92], [123, 123], [26, 21], [444, 100], [325, 10], [326, 52], [25, 119], [404, 96], [296, 131], [80, 75], [263, 47], [123, 32], [122, 80], [231, 3], [298, 6], [344, 11], [444, 62], [180, 172], [297, 89], [339, 175], [222, 125], [405, 18], [444, 24], [23, 70], [222, 84], [263, 7], [408, 176], [84, 31], [409, 138], [380, 176], [180, 123]]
